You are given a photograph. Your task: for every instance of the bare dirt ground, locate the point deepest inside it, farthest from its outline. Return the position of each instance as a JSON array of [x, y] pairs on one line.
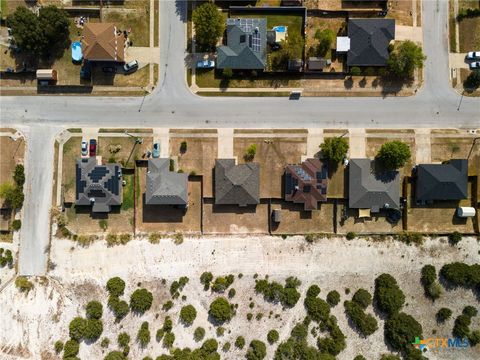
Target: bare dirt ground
[[36, 320]]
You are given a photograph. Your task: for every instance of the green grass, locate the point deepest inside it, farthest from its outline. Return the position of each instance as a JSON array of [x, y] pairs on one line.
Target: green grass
[[128, 198], [210, 79], [138, 21], [247, 94], [3, 8]]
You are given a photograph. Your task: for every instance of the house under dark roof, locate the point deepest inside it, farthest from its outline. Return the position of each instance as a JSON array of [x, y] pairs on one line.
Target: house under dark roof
[[369, 40], [236, 184], [448, 181], [165, 187], [371, 189], [306, 183], [98, 185], [246, 45]]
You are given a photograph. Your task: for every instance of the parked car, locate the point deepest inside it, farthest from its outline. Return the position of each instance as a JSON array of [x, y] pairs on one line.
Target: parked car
[[109, 69], [205, 64], [84, 148], [93, 147], [473, 55], [156, 150], [131, 66], [475, 65]]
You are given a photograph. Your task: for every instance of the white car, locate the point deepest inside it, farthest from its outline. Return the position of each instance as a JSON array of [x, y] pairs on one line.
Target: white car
[[130, 67], [473, 55], [205, 64], [475, 65], [84, 148]]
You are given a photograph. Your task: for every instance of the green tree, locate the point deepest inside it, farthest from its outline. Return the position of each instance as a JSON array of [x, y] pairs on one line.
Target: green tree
[[119, 307], [188, 314], [317, 308], [93, 329], [334, 149], [58, 346], [55, 24], [70, 350], [26, 31], [326, 38], [251, 152], [388, 296], [94, 310], [363, 298], [240, 342], [116, 286], [443, 314], [472, 82], [12, 195], [199, 334], [401, 330], [455, 237], [143, 335], [209, 25], [394, 154], [205, 279], [76, 328], [123, 339], [19, 175], [141, 300], [22, 283], [257, 350], [220, 310], [168, 339], [273, 336], [16, 224], [333, 298], [115, 355], [405, 58]]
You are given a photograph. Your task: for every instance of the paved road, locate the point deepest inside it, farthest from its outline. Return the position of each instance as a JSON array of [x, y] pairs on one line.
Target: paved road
[[172, 105]]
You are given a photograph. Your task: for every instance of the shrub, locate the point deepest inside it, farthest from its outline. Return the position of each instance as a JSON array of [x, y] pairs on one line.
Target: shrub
[[94, 310], [273, 336], [141, 300], [388, 296], [167, 324], [355, 71], [76, 328], [390, 357], [405, 58], [58, 346], [455, 237], [115, 355], [275, 292], [220, 310], [120, 308], [394, 154], [469, 311], [333, 298], [299, 332], [313, 291], [220, 331], [168, 339], [71, 348], [365, 323], [183, 147], [159, 335], [168, 305], [16, 225], [143, 335], [401, 330], [429, 275], [317, 308], [116, 286], [177, 286], [351, 235], [251, 152], [222, 283], [199, 333], [188, 314], [460, 274], [363, 298], [461, 327], [474, 338], [103, 224], [123, 339], [226, 347], [443, 314], [326, 38], [205, 279], [19, 175], [433, 291], [257, 350], [231, 293], [359, 357], [335, 148], [467, 13], [93, 329], [240, 342], [23, 284]]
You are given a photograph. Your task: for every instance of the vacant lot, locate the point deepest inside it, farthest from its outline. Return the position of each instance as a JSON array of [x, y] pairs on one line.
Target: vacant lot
[[295, 220], [12, 153], [273, 154]]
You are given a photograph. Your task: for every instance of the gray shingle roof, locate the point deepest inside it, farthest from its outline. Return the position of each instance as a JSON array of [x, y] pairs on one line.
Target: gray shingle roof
[[236, 184], [369, 40], [447, 181], [165, 187], [240, 53], [369, 189], [98, 185]]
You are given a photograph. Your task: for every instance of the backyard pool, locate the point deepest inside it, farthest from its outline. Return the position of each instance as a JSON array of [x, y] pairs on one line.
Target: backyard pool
[[280, 29], [77, 55]]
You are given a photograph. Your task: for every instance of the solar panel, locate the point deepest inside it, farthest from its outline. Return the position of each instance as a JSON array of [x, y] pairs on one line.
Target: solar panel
[[288, 183], [256, 45], [98, 173], [306, 188], [94, 193]]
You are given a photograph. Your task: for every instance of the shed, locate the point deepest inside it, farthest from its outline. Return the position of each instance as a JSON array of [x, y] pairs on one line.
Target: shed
[[317, 64], [277, 215], [294, 65], [465, 211], [47, 74]]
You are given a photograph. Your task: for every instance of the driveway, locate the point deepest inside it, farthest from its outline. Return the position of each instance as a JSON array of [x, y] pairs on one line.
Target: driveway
[[457, 61]]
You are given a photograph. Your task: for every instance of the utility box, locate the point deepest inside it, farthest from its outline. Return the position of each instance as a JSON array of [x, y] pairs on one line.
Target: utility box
[[47, 75]]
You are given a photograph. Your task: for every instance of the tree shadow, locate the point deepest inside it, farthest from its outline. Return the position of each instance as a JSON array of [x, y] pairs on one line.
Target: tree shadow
[[181, 10], [348, 83], [363, 82]]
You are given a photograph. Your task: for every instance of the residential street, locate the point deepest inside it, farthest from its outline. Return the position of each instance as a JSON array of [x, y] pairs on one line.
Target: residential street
[[172, 105]]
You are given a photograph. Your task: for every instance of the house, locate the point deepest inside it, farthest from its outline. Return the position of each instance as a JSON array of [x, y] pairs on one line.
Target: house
[[103, 42], [165, 187], [246, 47], [236, 184], [447, 181], [306, 183], [98, 185], [371, 188], [369, 41]]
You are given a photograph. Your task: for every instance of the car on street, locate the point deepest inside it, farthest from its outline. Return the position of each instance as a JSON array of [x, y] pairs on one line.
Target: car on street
[[93, 147], [473, 55], [84, 148], [475, 65], [205, 64], [131, 66], [156, 150]]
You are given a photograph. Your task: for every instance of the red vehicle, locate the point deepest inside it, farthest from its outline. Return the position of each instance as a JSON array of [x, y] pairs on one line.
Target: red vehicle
[[93, 147]]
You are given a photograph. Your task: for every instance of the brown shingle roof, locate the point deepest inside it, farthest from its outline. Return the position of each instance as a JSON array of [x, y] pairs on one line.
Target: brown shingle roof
[[101, 43]]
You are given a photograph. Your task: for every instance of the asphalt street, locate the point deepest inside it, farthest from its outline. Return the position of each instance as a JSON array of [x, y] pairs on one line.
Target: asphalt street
[[436, 105]]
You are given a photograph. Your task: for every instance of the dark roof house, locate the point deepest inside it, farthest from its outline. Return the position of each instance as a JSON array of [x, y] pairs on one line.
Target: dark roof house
[[369, 40], [448, 181], [103, 42], [98, 185], [165, 187], [246, 45], [236, 184], [371, 189], [306, 183]]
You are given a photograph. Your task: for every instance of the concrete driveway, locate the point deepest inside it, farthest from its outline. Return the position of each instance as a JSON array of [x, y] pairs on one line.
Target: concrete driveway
[[457, 61]]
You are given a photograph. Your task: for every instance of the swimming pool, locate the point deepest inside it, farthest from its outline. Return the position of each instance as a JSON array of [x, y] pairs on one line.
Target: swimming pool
[[77, 55], [280, 28]]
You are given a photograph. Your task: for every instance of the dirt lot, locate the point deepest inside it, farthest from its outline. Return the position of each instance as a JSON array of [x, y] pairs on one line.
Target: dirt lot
[[12, 153], [232, 219], [401, 11], [199, 157], [168, 219], [444, 148], [106, 146], [469, 28], [377, 224], [272, 155], [295, 220], [334, 264]]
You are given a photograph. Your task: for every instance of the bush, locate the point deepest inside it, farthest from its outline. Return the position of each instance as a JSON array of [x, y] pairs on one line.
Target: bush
[[123, 339], [388, 296], [167, 324], [351, 235], [362, 298], [143, 335], [71, 349], [94, 310], [313, 291], [205, 279], [119, 307], [461, 327], [359, 357], [467, 13], [177, 286], [474, 338], [19, 175], [199, 334], [168, 339], [115, 355], [455, 237], [116, 286], [365, 323], [401, 330], [273, 336], [188, 314], [240, 342], [209, 25], [390, 357], [460, 274], [355, 71], [317, 308], [141, 300], [183, 147], [220, 331], [231, 293], [93, 329], [76, 328], [222, 283], [333, 298], [470, 311], [443, 314], [58, 346], [257, 350], [23, 284], [429, 275], [326, 38], [275, 292], [220, 310], [251, 152], [394, 154], [16, 225], [334, 148], [433, 291], [226, 347]]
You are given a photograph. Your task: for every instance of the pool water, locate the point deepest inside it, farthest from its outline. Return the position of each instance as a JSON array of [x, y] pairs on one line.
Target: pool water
[[280, 29], [77, 54]]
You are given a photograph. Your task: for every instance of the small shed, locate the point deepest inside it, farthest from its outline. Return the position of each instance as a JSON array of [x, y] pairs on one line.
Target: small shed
[[465, 211], [295, 65], [317, 64], [277, 215], [47, 74]]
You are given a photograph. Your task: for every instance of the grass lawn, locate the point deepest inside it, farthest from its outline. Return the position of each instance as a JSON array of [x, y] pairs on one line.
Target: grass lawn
[[71, 152], [106, 146], [266, 3], [128, 193], [317, 23], [210, 78]]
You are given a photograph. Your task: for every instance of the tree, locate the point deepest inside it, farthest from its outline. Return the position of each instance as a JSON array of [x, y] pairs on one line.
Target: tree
[[363, 298], [317, 308], [227, 73], [119, 307], [115, 355], [292, 48], [16, 224], [70, 350], [240, 342], [168, 339], [141, 300], [94, 310], [313, 291], [93, 329], [429, 275], [455, 237], [273, 336], [326, 38], [143, 335], [188, 314], [183, 147], [394, 154], [443, 314], [19, 175], [401, 330], [461, 274], [205, 279], [76, 328], [209, 25], [365, 323], [334, 149], [12, 194], [199, 334], [26, 31], [405, 58], [58, 346], [257, 350], [472, 82], [388, 296], [23, 284], [333, 298], [461, 327], [220, 310], [123, 339]]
